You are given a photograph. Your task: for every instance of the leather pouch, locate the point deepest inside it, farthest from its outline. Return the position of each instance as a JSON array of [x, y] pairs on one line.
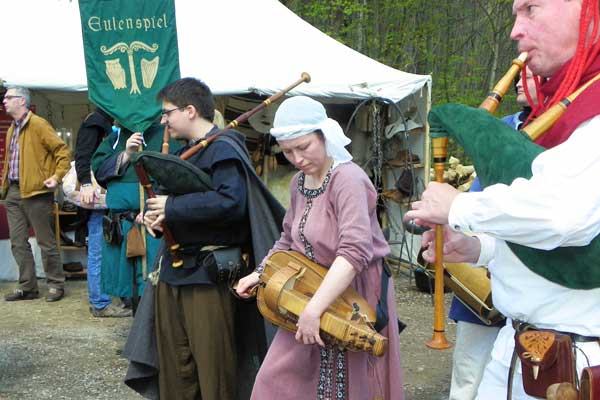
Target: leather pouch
[[546, 358], [111, 230], [590, 383], [228, 265], [135, 243]]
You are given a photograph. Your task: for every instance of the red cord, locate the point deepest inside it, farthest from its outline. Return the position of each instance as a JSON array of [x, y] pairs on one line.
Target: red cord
[[584, 54]]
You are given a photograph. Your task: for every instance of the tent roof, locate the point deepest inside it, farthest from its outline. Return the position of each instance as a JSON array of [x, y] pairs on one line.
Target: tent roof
[[235, 46]]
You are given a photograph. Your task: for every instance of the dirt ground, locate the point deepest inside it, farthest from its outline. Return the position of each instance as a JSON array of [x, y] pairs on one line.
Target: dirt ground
[[59, 351]]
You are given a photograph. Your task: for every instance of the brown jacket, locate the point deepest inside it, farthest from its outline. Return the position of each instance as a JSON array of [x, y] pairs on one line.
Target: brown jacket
[[42, 154]]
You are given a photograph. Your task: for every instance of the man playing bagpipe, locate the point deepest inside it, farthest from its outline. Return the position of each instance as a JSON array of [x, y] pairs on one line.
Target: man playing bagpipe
[[203, 334], [536, 222]]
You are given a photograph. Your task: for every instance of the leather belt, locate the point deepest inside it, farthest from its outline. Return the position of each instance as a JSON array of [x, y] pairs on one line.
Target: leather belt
[[519, 326], [580, 338], [128, 215]]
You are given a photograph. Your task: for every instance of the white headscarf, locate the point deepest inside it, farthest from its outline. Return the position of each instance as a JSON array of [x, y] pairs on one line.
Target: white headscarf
[[301, 115]]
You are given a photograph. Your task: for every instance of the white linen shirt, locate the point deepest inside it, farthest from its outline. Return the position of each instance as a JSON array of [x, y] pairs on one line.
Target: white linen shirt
[[558, 206]]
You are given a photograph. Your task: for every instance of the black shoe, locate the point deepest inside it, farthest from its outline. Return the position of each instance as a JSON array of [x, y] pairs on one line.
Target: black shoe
[[73, 267], [126, 303], [55, 294], [19, 294]]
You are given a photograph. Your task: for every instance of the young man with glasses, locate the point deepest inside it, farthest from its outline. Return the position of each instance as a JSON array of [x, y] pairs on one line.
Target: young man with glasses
[[190, 307], [36, 160], [197, 319]]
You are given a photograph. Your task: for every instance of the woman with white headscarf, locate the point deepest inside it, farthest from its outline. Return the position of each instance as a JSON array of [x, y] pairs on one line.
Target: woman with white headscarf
[[332, 220]]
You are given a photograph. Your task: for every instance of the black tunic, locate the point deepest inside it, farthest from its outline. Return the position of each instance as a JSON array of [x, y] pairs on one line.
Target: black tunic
[[218, 217]]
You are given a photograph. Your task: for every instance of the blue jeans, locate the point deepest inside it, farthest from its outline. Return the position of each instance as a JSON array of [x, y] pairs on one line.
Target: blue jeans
[[98, 300]]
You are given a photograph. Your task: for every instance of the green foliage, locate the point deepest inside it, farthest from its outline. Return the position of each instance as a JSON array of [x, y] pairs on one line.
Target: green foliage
[[463, 44]]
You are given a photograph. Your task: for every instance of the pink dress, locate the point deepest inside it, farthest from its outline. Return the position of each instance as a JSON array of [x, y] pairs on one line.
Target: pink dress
[[338, 219]]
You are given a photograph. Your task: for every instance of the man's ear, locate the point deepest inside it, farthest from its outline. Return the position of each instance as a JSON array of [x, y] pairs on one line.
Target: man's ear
[[191, 111]]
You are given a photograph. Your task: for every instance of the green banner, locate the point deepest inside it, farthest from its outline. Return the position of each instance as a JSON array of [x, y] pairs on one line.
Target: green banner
[[130, 54]]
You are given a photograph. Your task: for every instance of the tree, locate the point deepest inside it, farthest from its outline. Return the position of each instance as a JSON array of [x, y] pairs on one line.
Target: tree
[[463, 44]]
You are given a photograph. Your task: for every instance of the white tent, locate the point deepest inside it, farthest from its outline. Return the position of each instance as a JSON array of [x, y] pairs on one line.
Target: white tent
[[237, 47]]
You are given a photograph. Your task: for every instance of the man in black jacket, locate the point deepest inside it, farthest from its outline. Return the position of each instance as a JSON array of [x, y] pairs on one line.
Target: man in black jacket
[[195, 312], [94, 128]]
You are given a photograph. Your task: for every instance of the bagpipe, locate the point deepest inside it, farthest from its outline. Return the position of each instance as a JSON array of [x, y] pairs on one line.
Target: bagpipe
[[439, 142], [473, 288], [287, 284], [501, 154], [177, 176]]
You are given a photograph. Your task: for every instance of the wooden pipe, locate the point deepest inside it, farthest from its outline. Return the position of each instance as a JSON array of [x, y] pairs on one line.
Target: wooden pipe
[[541, 124], [439, 341], [305, 77], [494, 98], [173, 246], [439, 141]]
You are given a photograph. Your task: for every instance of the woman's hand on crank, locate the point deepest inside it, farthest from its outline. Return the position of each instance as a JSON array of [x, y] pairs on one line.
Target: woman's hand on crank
[[247, 284]]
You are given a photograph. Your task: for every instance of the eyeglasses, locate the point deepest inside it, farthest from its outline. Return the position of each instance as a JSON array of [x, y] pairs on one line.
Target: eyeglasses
[[165, 113], [8, 97]]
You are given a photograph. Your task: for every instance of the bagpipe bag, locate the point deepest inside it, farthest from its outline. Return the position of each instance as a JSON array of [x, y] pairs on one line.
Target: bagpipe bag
[[501, 154], [173, 174]]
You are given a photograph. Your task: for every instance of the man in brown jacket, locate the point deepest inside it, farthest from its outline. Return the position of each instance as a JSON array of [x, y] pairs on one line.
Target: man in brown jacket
[[35, 161]]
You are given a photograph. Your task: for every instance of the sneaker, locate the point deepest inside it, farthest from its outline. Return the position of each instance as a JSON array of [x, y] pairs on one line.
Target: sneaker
[[110, 311], [19, 294], [55, 294]]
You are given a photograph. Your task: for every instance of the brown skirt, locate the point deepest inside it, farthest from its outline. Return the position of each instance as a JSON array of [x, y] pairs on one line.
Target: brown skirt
[[196, 342]]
